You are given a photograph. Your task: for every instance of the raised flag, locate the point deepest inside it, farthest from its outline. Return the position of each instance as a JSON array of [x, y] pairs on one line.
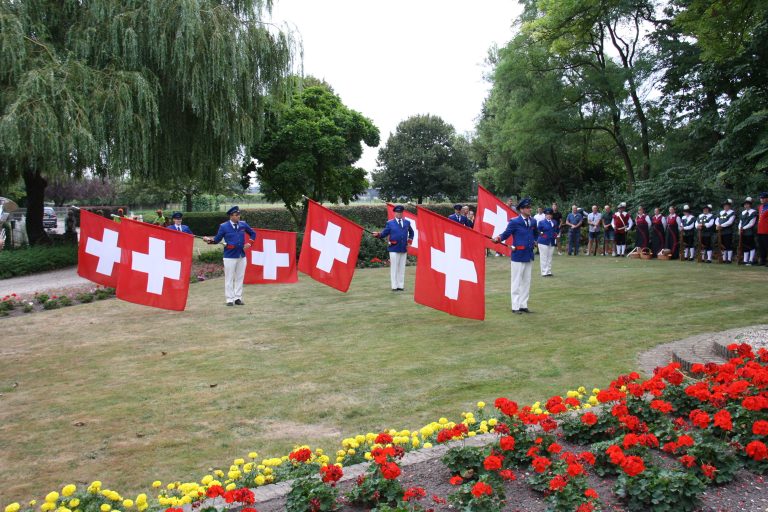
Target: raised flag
[[450, 275], [271, 258], [330, 247], [413, 249], [492, 218], [98, 252], [155, 265]]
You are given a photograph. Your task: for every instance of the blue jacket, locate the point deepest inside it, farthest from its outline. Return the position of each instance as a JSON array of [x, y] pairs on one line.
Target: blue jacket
[[548, 230], [234, 238], [460, 219], [184, 228], [398, 237], [523, 238]]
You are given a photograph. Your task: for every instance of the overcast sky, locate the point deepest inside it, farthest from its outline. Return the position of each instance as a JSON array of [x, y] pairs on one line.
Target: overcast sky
[[393, 59]]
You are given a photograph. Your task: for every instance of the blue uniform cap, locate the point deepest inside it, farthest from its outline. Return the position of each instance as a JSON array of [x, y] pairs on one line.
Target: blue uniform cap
[[176, 215], [524, 203], [398, 208], [549, 211], [458, 206], [234, 209], [763, 195]]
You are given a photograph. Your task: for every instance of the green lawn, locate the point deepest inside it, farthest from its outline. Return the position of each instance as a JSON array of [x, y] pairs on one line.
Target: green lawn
[[97, 399]]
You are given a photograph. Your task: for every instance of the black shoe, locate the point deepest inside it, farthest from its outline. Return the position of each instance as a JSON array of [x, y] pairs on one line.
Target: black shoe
[[230, 303], [239, 302], [517, 312], [401, 289], [524, 310], [394, 289]]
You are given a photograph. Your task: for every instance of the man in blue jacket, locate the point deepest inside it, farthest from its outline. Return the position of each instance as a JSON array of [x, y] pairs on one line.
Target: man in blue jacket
[[233, 232], [177, 224], [523, 231], [400, 235], [456, 216], [549, 230]]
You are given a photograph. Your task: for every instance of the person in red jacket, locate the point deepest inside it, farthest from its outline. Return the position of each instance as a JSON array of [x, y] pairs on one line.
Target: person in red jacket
[[762, 228]]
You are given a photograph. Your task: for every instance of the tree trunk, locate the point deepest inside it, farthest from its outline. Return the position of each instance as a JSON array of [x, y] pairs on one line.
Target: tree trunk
[[188, 201], [645, 170], [419, 199], [35, 186]]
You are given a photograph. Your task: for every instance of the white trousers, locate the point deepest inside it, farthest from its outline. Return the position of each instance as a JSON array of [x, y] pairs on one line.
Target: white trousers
[[397, 269], [234, 272], [521, 284], [545, 259]]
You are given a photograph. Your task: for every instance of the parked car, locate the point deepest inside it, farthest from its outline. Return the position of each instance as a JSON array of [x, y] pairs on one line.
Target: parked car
[[49, 218]]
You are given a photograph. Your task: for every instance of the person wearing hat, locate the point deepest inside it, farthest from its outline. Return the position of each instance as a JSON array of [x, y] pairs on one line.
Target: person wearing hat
[[160, 220], [177, 225], [400, 235], [548, 233], [622, 222], [609, 235], [643, 225], [724, 224], [747, 222], [762, 228], [706, 226], [233, 232], [688, 227], [457, 216], [523, 231], [674, 226]]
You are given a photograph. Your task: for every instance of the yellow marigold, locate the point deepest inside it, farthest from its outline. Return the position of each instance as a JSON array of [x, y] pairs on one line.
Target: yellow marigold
[[370, 437], [351, 452], [32, 503], [415, 442], [259, 480], [492, 422], [51, 497], [239, 462], [156, 484], [252, 455], [127, 503], [185, 500], [339, 459], [341, 453], [105, 507], [63, 509], [13, 507], [46, 507], [68, 490], [141, 499], [593, 400], [230, 487], [267, 471], [484, 428], [142, 507], [248, 467], [368, 456], [471, 433], [170, 487], [234, 474], [207, 479], [359, 438], [481, 405], [319, 451], [219, 473], [442, 421], [595, 391], [427, 445], [73, 503], [582, 389], [586, 406]]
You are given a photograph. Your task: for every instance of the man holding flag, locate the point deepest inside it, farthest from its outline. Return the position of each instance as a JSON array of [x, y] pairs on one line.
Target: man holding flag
[[400, 235], [523, 231], [233, 232]]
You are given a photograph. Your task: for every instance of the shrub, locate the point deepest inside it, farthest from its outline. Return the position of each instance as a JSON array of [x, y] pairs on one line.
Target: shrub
[[21, 262], [213, 256], [660, 490]]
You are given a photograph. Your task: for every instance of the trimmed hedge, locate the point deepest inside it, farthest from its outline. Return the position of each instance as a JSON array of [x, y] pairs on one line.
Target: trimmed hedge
[[21, 262]]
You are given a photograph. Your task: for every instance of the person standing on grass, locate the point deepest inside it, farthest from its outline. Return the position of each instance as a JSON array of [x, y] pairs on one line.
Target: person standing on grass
[[762, 228], [523, 231], [674, 225], [622, 222], [706, 226], [594, 219], [400, 235], [177, 224], [658, 227], [688, 228], [233, 232], [609, 235], [548, 233], [574, 222], [724, 224], [643, 223]]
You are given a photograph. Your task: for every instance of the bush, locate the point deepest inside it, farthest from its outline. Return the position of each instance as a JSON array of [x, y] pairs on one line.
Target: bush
[[22, 262], [213, 256]]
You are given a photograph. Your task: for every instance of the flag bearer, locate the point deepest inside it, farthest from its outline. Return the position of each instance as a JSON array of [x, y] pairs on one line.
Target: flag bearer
[[523, 231], [233, 232], [400, 235], [177, 223], [548, 233]]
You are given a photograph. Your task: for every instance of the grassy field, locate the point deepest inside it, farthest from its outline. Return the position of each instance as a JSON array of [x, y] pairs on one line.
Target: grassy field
[[127, 394]]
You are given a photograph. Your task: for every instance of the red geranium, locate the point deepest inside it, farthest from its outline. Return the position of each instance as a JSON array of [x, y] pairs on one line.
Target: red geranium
[[215, 491], [760, 428], [383, 438], [481, 489], [699, 418], [507, 443], [300, 455], [390, 470], [540, 464], [687, 461], [492, 463], [633, 465], [414, 493], [506, 406], [555, 448], [507, 475], [709, 471], [575, 469], [456, 480], [587, 457], [586, 507], [723, 420], [591, 493], [558, 483], [684, 440], [757, 450], [589, 418], [661, 406], [243, 495], [331, 474]]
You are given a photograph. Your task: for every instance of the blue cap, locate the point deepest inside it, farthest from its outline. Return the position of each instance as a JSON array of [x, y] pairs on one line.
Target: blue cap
[[398, 208], [234, 209], [548, 211], [524, 203], [176, 215], [458, 206], [763, 195]]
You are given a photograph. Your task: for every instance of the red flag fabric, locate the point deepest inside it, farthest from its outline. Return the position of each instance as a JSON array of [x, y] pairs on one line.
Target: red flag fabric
[[330, 247], [413, 249], [98, 252], [271, 258], [492, 218], [155, 266], [450, 275]]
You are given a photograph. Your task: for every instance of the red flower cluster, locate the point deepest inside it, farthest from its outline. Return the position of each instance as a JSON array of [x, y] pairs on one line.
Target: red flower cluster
[[558, 483], [414, 493], [481, 489], [383, 438], [708, 470], [662, 406], [506, 406], [757, 450], [242, 495], [456, 480], [540, 464], [507, 443], [215, 491], [632, 465], [760, 428], [723, 420], [331, 474], [493, 462], [589, 418], [457, 432], [390, 470], [300, 455]]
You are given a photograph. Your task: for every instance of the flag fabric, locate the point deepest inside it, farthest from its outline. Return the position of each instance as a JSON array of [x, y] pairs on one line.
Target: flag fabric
[[491, 219], [98, 252], [271, 258], [155, 265], [413, 249], [330, 247], [450, 275]]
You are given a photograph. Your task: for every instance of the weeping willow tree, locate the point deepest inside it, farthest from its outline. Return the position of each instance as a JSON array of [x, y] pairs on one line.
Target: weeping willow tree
[[155, 88]]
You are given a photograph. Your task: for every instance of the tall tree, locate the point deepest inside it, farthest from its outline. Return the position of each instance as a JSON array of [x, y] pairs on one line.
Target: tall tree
[[157, 88], [309, 148], [424, 158]]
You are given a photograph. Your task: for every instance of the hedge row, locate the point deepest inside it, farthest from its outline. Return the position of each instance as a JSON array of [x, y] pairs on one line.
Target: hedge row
[[21, 262]]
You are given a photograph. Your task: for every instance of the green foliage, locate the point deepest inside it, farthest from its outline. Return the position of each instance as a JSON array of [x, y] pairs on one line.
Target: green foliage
[[465, 461], [310, 494], [213, 256], [372, 489], [661, 490], [424, 158], [21, 262], [464, 499], [578, 432]]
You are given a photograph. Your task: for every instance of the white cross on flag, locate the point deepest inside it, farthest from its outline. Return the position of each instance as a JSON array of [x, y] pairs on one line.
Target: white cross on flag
[[330, 246], [413, 249], [492, 218], [450, 275], [98, 253], [271, 258], [155, 266]]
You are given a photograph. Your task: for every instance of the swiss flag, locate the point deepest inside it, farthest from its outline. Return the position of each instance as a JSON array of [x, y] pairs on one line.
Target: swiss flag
[[450, 275], [492, 218], [271, 258], [98, 253], [155, 265], [330, 246], [413, 249]]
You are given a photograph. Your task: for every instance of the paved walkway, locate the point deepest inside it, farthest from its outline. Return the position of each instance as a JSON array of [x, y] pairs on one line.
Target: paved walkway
[[55, 280]]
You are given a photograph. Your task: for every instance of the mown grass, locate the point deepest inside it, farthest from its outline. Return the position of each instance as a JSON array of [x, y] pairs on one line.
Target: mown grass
[[98, 399]]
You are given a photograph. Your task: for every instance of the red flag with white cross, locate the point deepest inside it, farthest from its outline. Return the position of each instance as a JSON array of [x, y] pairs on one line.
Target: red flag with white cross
[[155, 266], [98, 252], [413, 249], [330, 247], [492, 218], [271, 258], [450, 275]]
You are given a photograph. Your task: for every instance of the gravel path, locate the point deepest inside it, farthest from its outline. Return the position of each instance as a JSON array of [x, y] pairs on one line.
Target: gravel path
[[55, 280]]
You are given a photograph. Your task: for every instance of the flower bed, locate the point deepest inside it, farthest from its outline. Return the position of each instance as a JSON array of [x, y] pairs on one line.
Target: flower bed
[[661, 441]]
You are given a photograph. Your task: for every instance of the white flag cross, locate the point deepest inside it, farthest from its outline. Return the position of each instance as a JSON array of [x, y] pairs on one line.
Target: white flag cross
[[156, 266], [498, 219], [330, 248], [455, 268], [106, 250], [415, 243], [270, 259]]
